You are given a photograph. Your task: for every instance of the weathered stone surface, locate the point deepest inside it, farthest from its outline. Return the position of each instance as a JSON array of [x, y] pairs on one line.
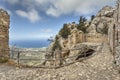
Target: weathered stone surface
[[103, 17], [4, 33], [107, 18], [76, 36], [114, 34], [92, 29], [117, 57], [106, 11], [98, 67]]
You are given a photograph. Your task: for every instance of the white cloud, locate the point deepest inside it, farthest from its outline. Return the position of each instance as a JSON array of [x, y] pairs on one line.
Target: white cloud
[[46, 30], [42, 1], [60, 7], [12, 1], [32, 15], [57, 8], [53, 12]]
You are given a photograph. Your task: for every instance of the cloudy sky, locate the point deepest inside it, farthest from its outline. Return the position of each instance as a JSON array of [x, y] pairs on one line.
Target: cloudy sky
[[37, 19]]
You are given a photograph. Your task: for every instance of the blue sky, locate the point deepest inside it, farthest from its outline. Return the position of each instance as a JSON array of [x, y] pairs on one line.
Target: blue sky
[[40, 19]]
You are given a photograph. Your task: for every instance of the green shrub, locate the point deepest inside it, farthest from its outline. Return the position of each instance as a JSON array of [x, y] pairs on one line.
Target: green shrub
[[81, 26], [56, 45], [92, 17], [104, 30], [65, 31], [3, 60]]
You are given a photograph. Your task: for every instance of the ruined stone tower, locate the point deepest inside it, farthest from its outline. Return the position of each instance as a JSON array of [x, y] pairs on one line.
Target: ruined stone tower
[[116, 39], [114, 28], [4, 33], [117, 27]]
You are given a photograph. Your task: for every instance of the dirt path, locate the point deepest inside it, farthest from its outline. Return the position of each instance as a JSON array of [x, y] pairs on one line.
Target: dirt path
[[98, 67]]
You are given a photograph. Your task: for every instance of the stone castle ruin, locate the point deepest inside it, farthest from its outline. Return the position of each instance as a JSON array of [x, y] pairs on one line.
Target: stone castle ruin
[[4, 33], [116, 36], [108, 18]]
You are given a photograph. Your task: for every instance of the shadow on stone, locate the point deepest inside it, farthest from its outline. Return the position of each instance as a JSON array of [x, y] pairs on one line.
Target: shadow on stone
[[87, 53]]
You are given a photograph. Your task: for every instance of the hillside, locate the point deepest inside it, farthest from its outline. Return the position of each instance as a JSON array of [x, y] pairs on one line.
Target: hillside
[[96, 43], [96, 30], [76, 36], [98, 67], [100, 29]]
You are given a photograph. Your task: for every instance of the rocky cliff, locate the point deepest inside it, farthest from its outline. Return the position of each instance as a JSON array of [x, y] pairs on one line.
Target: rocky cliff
[[97, 27], [88, 34], [102, 20], [98, 67]]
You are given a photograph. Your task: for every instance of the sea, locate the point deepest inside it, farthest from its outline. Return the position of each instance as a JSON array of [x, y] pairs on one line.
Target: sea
[[30, 43]]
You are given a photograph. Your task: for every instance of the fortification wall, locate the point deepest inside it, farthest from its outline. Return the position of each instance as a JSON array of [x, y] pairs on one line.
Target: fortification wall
[[96, 38], [4, 33]]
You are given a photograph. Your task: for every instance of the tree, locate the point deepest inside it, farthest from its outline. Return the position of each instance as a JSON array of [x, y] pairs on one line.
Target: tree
[[104, 30], [82, 19], [92, 17], [51, 39], [56, 44], [81, 26], [65, 31]]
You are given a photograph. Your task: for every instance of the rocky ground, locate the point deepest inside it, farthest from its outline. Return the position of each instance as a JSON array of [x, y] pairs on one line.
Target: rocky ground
[[98, 67]]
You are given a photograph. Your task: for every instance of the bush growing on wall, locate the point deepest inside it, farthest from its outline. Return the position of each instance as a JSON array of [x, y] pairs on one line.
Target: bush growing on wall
[[56, 44], [81, 26], [65, 31], [105, 30]]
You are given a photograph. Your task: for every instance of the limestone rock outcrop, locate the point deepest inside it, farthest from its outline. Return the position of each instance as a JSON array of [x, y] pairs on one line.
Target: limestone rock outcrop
[[4, 33], [76, 36], [104, 27], [104, 18]]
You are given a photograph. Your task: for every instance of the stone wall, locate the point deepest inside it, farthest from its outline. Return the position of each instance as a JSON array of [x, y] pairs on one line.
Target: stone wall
[[4, 33], [76, 37], [96, 38]]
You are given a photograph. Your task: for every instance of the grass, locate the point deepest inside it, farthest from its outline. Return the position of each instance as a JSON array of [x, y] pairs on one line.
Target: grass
[[3, 60]]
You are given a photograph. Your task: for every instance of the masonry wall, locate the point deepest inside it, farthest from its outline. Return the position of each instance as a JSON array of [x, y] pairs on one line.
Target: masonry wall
[[96, 38], [4, 33]]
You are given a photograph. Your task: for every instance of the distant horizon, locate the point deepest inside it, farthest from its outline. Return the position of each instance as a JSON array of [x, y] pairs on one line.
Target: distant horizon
[[38, 43]]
